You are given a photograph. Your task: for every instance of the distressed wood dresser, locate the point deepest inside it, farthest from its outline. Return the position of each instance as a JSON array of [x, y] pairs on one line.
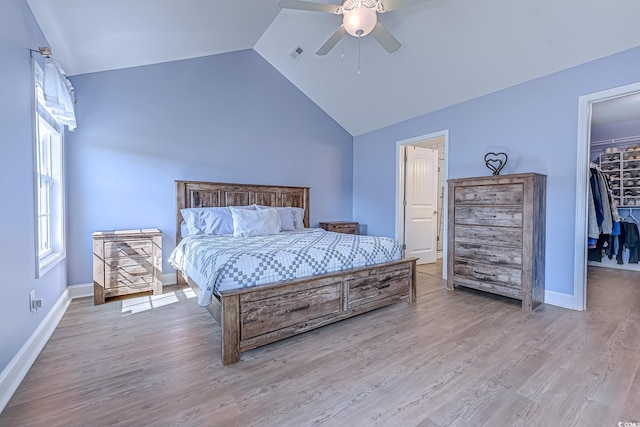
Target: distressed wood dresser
[[496, 238], [126, 262]]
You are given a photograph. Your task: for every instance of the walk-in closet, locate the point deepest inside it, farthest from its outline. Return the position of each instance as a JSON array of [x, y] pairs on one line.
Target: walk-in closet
[[614, 184]]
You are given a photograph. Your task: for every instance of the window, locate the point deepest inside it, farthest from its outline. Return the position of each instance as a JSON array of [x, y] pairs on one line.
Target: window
[[48, 183]]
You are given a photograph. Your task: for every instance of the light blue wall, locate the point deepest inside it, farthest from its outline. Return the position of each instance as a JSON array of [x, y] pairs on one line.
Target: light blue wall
[[227, 118], [535, 123], [18, 33]]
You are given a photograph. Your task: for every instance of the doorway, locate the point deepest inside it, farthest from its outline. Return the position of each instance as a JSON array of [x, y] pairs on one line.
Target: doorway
[[414, 220], [586, 112]]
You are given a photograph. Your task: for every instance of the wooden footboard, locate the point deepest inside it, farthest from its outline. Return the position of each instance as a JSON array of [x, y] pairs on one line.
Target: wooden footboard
[[260, 315]]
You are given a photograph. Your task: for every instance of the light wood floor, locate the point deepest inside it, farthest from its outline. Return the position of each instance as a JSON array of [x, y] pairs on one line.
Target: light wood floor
[[459, 358]]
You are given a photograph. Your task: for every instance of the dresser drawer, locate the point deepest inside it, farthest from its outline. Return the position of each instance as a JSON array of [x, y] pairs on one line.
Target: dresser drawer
[[511, 194], [373, 290], [494, 288], [271, 314], [488, 273], [127, 248], [489, 215], [500, 256], [493, 236]]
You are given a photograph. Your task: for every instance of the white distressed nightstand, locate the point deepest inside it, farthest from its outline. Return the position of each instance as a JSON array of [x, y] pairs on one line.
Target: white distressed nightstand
[[126, 262]]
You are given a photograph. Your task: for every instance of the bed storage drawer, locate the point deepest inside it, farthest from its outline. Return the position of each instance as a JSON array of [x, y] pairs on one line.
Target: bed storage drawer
[[261, 316], [372, 290]]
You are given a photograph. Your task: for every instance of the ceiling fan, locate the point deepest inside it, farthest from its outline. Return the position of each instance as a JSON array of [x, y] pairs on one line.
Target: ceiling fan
[[360, 17]]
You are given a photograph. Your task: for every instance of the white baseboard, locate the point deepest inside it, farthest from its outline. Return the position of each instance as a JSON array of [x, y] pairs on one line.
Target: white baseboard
[[558, 299], [81, 291], [17, 369], [169, 279]]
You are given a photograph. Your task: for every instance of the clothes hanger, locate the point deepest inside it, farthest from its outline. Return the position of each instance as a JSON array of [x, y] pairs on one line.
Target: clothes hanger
[[631, 217]]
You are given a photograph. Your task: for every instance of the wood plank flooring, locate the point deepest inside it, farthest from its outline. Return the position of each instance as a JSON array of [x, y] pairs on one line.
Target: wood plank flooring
[[461, 358]]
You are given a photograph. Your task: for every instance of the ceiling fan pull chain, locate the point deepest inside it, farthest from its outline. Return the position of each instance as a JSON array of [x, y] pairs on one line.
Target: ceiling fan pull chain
[[359, 55]]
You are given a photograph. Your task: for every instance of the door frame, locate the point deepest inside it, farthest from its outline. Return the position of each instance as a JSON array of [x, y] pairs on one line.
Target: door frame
[[582, 178], [400, 187]]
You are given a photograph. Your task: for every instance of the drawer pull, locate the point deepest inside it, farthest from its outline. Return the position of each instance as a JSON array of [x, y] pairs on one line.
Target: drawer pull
[[304, 307], [385, 285]]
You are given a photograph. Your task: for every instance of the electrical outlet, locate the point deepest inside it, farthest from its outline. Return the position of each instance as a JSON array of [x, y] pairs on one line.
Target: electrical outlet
[[35, 304]]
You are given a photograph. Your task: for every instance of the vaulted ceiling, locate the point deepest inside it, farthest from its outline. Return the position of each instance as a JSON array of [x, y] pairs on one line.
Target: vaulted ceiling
[[452, 50]]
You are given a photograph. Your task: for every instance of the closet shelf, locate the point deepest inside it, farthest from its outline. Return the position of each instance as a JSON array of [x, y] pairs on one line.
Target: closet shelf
[[616, 166]]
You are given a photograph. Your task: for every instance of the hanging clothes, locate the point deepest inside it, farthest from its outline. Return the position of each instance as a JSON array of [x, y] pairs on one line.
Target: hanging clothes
[[593, 230], [597, 198], [607, 217], [632, 241], [603, 218]]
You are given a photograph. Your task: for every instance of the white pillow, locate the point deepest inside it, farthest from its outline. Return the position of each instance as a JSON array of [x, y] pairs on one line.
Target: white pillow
[[287, 218], [298, 218], [290, 218], [255, 223], [209, 220]]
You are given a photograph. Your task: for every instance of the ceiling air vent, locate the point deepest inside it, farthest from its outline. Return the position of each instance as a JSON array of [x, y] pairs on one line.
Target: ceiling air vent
[[296, 52]]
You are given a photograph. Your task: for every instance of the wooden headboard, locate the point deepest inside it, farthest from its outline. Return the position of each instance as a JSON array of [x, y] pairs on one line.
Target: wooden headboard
[[196, 194]]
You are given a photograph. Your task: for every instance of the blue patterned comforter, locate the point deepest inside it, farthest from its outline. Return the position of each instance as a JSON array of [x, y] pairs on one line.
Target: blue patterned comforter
[[218, 263]]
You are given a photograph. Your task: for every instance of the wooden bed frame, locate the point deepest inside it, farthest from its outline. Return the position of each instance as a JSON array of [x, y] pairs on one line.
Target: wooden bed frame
[[256, 316]]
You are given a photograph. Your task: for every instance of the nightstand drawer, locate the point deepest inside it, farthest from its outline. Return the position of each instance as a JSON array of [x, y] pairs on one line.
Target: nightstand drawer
[[127, 248], [134, 272]]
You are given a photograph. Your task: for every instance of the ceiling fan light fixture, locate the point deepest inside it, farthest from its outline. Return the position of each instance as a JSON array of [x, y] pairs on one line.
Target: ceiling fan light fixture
[[360, 21]]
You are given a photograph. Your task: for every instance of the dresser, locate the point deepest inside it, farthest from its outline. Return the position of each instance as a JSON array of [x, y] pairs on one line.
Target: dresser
[[496, 237], [126, 262], [346, 227]]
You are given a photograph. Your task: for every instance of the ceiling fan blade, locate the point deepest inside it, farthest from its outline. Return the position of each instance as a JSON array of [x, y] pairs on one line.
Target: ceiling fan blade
[[389, 5], [333, 40], [385, 38], [308, 5]]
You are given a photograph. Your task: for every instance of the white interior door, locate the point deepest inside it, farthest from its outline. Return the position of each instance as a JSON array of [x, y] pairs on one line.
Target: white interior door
[[421, 202]]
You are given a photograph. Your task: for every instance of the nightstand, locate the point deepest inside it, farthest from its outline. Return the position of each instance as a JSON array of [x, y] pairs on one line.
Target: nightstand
[[346, 227], [126, 262]]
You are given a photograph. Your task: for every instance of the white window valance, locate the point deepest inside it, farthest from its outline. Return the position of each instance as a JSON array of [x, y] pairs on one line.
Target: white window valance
[[58, 94]]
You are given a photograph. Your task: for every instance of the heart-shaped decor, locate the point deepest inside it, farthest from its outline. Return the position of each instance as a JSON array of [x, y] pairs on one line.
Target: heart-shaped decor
[[495, 161]]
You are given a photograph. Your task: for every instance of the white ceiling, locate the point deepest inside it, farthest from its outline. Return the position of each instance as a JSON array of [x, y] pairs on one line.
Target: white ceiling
[[616, 110], [452, 50]]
